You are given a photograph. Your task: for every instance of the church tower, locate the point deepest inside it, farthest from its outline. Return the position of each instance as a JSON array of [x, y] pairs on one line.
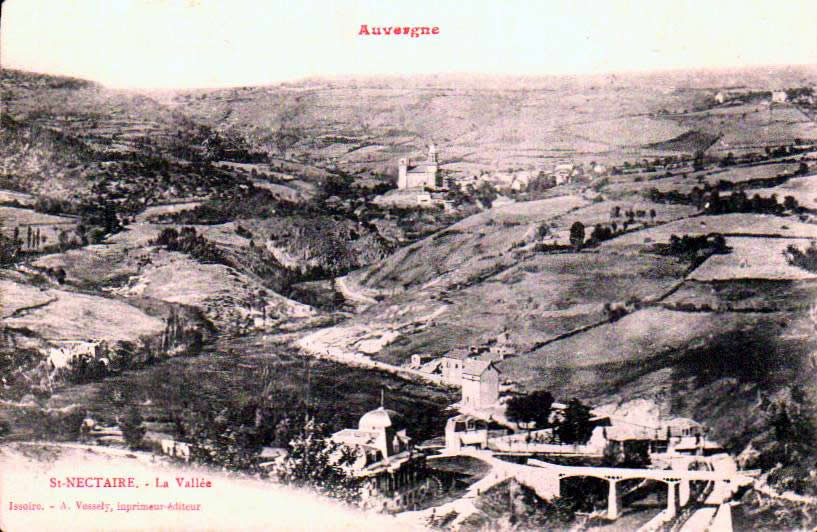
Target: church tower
[[432, 168]]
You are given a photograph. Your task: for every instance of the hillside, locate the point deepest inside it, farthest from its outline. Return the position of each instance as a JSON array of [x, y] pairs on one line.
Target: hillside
[[701, 347]]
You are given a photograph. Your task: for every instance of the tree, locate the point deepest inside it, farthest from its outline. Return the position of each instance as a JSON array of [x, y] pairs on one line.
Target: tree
[[542, 231], [698, 162], [577, 235], [729, 160], [600, 233], [793, 428], [631, 454], [575, 425], [229, 440], [133, 428], [806, 259], [316, 462], [534, 407]]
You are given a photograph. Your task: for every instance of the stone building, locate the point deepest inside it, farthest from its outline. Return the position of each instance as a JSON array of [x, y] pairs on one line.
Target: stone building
[[421, 176], [452, 364], [394, 476], [480, 384]]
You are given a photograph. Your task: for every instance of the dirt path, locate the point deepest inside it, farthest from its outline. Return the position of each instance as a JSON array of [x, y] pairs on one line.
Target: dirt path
[[351, 295]]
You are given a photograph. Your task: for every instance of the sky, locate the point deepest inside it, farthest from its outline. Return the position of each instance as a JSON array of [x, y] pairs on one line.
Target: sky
[[216, 43]]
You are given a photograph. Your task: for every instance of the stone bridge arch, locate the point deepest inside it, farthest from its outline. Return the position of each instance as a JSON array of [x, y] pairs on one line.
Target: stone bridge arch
[[678, 490]]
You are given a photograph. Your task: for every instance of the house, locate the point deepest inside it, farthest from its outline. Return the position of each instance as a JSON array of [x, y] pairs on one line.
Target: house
[[421, 176], [393, 476], [562, 173], [779, 97], [452, 364], [466, 431], [666, 437], [480, 383], [270, 457], [177, 449], [63, 351], [418, 359]]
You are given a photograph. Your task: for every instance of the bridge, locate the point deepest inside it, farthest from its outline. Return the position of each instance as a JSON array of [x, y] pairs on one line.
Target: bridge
[[677, 480], [545, 478]]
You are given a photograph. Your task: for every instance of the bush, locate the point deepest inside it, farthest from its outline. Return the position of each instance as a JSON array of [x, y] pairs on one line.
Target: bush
[[806, 259], [133, 430]]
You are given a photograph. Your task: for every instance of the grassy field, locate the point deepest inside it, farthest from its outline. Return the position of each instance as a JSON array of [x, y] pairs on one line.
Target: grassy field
[[523, 212], [746, 294], [753, 258], [751, 125], [599, 213], [747, 173], [49, 225], [96, 265], [655, 348], [224, 294], [803, 189], [627, 131], [60, 314], [158, 210], [726, 224], [536, 295]]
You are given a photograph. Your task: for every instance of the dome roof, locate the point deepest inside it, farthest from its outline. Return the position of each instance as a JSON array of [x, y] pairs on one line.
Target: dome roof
[[379, 419]]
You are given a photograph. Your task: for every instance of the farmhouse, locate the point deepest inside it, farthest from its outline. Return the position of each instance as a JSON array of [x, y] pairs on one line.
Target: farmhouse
[[394, 476], [422, 176], [779, 96]]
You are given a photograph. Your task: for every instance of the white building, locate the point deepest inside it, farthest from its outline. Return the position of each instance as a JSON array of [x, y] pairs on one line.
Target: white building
[[466, 431], [421, 176], [393, 475], [63, 351], [480, 384]]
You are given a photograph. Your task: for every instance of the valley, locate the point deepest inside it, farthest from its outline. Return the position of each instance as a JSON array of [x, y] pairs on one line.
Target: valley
[[234, 257]]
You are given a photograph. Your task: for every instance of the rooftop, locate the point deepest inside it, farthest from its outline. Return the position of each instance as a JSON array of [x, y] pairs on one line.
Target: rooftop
[[476, 367], [378, 419]]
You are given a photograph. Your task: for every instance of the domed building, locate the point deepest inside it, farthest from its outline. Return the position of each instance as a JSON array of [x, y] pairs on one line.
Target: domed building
[[394, 475]]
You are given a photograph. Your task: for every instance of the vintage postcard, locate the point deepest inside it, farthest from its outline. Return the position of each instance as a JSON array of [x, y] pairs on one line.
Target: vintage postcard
[[408, 265]]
